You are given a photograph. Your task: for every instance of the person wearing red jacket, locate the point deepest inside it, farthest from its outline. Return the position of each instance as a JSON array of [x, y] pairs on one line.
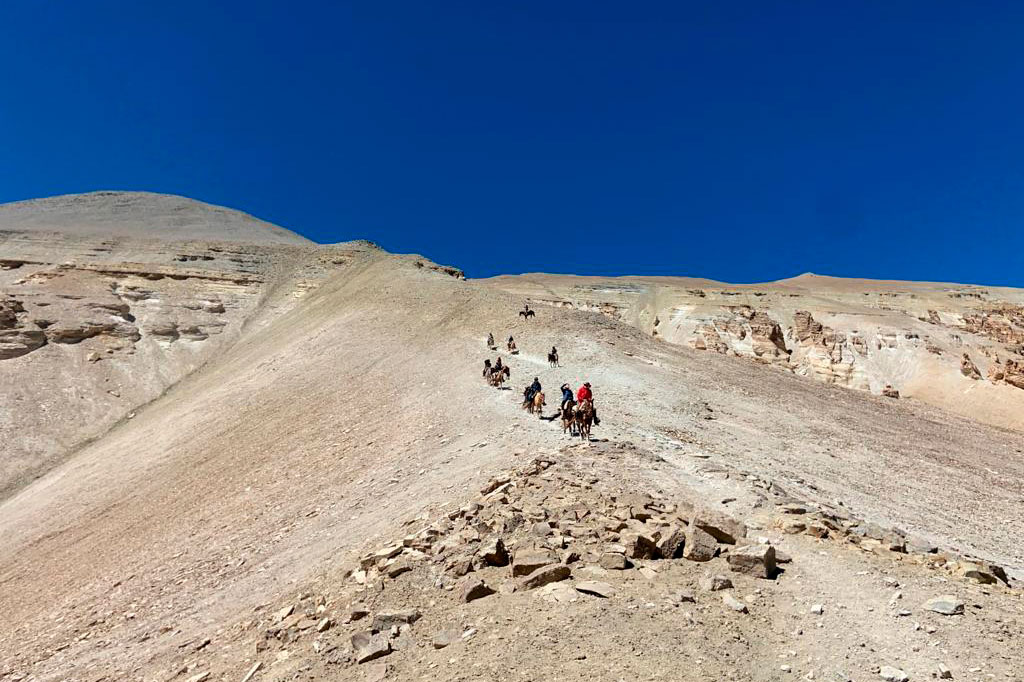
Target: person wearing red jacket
[[586, 394]]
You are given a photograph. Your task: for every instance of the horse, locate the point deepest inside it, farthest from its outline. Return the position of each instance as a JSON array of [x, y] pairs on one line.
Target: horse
[[553, 359], [536, 406], [568, 418], [497, 376], [585, 419], [527, 314]]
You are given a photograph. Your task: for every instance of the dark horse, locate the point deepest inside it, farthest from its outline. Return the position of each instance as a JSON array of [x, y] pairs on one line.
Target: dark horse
[[584, 418], [527, 314], [553, 359]]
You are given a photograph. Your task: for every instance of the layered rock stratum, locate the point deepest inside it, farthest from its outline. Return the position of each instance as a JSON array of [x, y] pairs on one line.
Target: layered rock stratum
[[230, 453]]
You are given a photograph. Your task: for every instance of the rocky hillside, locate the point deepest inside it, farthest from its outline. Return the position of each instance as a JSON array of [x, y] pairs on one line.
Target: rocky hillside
[[327, 489], [960, 347]]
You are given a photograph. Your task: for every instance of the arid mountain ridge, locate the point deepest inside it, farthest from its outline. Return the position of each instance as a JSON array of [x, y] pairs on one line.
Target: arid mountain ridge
[[230, 453]]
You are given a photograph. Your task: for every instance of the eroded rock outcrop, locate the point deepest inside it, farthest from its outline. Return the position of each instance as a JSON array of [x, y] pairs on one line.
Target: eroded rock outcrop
[[1010, 372], [826, 354], [17, 339], [745, 331], [968, 368], [1004, 323]]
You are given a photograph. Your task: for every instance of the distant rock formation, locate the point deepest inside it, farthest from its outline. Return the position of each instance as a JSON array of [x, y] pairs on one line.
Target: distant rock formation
[[744, 332], [968, 368], [827, 354]]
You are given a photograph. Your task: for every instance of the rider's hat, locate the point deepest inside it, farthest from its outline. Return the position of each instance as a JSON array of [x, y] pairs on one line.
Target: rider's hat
[[587, 384]]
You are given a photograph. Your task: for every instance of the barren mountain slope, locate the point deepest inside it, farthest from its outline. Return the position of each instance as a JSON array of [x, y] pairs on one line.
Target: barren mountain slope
[[140, 215], [351, 402], [960, 347], [92, 328]]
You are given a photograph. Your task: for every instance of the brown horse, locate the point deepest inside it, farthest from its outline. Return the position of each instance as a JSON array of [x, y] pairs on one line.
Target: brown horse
[[553, 359], [535, 406], [585, 419], [497, 377], [527, 314]]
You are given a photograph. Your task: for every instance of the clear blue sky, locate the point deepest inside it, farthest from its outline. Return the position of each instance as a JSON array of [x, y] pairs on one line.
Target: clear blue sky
[[739, 141]]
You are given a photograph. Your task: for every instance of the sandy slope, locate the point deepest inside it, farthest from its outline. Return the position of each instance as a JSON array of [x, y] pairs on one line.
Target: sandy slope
[[351, 402]]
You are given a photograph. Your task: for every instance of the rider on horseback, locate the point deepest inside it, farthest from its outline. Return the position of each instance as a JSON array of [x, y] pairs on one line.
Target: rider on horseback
[[567, 401], [490, 340], [531, 390], [511, 344], [497, 364], [586, 394]]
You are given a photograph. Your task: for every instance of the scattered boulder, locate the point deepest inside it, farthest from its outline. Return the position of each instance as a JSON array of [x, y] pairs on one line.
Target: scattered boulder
[[544, 575], [445, 638], [596, 588], [793, 526], [720, 526], [714, 583], [385, 620], [672, 543], [472, 589], [699, 545], [368, 646], [398, 568], [984, 574], [755, 560], [890, 674], [683, 597], [613, 561], [818, 530], [525, 563], [639, 546], [946, 604], [734, 603], [542, 529], [494, 553]]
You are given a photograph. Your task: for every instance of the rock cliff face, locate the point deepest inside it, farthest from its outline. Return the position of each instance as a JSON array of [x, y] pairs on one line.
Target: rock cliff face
[[916, 340], [743, 331], [826, 354]]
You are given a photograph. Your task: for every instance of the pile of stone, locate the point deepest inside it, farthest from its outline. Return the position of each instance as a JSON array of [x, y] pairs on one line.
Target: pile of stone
[[799, 518], [534, 529]]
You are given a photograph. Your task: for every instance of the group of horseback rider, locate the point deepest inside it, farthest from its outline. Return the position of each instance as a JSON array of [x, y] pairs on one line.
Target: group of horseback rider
[[578, 409], [584, 393], [510, 344]]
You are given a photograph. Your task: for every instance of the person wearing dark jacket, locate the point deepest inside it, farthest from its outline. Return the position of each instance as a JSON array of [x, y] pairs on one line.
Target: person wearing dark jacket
[[566, 395]]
